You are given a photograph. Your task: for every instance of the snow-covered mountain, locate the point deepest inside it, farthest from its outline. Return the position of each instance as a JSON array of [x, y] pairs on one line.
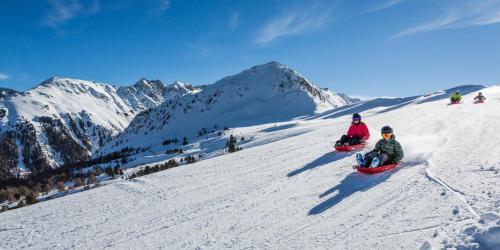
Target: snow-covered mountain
[[62, 121], [147, 94], [6, 92], [265, 93], [65, 121], [288, 189]]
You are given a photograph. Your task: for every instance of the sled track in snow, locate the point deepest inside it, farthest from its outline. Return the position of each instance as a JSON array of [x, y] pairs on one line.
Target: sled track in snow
[[409, 231], [323, 217], [457, 193]]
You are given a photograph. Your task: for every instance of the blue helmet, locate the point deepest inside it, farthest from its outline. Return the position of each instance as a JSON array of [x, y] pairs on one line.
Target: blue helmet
[[356, 117], [386, 130]]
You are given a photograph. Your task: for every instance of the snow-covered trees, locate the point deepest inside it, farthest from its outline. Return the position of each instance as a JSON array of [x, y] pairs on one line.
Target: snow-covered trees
[[61, 140]]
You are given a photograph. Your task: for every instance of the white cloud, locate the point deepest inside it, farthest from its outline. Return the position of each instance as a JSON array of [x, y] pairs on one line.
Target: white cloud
[[297, 21], [468, 13], [234, 20], [439, 23], [384, 5], [62, 11], [4, 77]]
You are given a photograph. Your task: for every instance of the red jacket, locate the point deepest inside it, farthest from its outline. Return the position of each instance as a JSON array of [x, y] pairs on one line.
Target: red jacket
[[360, 130]]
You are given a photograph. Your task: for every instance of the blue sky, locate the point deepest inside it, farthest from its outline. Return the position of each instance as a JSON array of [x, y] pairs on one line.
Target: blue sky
[[368, 48]]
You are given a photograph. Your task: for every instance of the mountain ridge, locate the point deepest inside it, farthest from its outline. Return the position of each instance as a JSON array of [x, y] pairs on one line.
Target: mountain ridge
[[65, 121], [264, 93], [80, 114]]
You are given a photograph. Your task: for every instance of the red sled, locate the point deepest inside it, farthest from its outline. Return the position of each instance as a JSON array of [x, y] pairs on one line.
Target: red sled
[[377, 169], [349, 148], [480, 101], [453, 103]]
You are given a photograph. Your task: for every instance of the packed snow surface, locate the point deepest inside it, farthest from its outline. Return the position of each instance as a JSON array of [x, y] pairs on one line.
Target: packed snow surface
[[287, 189]]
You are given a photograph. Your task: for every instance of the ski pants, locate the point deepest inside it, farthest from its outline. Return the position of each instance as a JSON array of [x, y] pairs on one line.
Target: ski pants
[[354, 140], [383, 157]]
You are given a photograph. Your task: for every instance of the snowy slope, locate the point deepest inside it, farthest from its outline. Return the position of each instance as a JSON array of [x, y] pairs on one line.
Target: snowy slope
[[265, 93], [290, 191], [69, 119]]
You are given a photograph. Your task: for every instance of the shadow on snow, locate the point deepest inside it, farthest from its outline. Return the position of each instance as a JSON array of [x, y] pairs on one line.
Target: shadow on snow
[[278, 128], [351, 184], [464, 90], [325, 159], [390, 104]]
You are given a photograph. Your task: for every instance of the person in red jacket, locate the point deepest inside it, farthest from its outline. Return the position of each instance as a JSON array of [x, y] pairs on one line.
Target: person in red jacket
[[358, 133]]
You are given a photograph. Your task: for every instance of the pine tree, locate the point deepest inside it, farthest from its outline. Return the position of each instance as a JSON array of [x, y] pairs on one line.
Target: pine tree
[[20, 204], [98, 171], [117, 170], [31, 199], [92, 179], [231, 144], [45, 188], [185, 141], [110, 172], [60, 186], [190, 159], [78, 182]]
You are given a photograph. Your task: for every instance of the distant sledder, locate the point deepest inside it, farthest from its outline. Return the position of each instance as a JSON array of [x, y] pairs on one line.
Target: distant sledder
[[456, 97], [479, 98], [356, 137], [387, 154]]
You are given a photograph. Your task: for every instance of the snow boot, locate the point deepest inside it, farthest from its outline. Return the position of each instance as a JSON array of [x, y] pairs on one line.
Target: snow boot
[[361, 160], [375, 162]]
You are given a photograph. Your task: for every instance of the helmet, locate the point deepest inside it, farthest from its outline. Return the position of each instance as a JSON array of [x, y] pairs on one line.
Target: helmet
[[356, 116], [387, 130]]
